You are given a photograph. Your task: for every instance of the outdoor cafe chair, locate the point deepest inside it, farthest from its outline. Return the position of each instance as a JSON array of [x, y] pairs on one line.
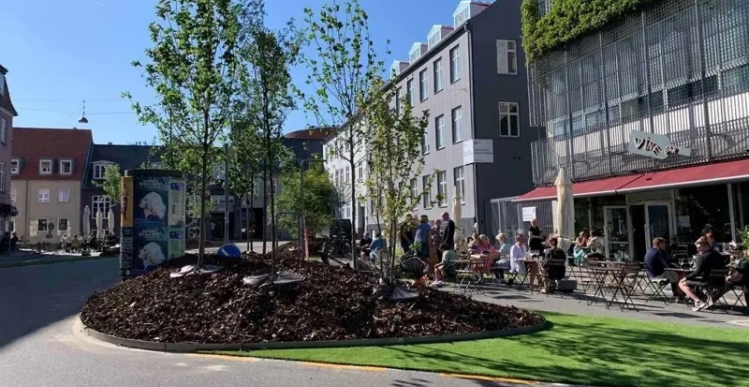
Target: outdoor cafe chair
[[555, 272], [468, 275], [624, 284]]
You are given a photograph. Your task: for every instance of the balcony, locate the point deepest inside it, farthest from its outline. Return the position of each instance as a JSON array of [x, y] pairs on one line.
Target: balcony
[[602, 151]]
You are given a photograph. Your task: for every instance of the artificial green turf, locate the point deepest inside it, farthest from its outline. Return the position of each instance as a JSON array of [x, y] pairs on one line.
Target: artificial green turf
[[596, 351]]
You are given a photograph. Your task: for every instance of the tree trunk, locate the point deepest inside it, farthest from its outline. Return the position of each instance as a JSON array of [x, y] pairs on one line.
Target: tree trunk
[[354, 206], [203, 190], [265, 206]]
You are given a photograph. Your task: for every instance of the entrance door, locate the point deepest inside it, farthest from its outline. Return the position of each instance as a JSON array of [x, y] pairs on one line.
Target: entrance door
[[617, 233], [658, 221]]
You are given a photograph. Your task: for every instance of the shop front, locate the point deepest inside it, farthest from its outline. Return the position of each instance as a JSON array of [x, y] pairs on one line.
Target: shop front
[[629, 211]]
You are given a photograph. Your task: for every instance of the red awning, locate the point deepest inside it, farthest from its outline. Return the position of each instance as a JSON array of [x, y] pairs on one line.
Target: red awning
[[607, 186], [701, 174]]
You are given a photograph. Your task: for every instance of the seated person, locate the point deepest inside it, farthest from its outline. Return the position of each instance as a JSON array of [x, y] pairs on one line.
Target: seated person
[[13, 242], [447, 266], [364, 245], [553, 265], [656, 262], [739, 278], [596, 245], [707, 261], [375, 248]]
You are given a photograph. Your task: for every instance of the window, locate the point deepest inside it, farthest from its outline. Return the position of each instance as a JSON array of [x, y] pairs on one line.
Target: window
[[360, 171], [2, 84], [45, 167], [3, 131], [42, 195], [62, 224], [64, 195], [454, 64], [434, 39], [414, 191], [423, 85], [442, 188], [437, 67], [425, 143], [2, 177], [410, 91], [100, 203], [427, 194], [460, 183], [509, 119], [66, 167], [100, 170], [15, 166], [41, 224], [439, 129], [462, 16], [507, 57], [398, 101], [457, 116]]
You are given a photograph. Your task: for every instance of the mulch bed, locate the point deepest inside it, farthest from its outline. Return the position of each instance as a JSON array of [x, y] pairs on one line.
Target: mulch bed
[[333, 303]]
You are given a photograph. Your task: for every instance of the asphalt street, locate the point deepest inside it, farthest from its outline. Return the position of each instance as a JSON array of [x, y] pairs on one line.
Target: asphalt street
[[40, 345]]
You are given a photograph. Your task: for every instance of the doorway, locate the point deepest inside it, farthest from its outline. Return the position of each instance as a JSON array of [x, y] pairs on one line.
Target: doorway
[[639, 227], [617, 233], [658, 221]]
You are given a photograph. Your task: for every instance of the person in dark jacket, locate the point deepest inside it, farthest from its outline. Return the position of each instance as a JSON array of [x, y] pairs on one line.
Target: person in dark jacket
[[448, 233], [707, 260], [656, 262], [553, 265]]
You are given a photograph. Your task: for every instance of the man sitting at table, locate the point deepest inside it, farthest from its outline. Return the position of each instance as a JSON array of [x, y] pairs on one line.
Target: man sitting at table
[[656, 262], [707, 261], [446, 266]]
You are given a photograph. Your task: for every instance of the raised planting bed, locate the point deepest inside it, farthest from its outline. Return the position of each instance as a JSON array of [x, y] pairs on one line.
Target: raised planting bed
[[332, 303]]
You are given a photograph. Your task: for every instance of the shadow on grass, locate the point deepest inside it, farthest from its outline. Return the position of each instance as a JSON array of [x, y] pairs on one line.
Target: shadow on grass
[[642, 358]]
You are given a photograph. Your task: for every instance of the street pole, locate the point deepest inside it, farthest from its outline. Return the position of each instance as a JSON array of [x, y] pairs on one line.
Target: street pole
[[301, 216], [226, 194]]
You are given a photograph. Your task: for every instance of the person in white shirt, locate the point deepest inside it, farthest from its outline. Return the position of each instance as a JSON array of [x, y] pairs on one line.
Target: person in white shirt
[[517, 252]]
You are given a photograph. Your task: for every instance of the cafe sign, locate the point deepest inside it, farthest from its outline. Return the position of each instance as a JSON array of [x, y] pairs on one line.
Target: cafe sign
[[653, 145]]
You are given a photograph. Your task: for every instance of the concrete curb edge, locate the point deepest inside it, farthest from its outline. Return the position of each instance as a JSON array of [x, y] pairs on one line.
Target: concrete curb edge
[[197, 347]]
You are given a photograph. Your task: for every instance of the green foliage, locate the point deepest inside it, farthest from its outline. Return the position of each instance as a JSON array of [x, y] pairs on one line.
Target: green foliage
[[319, 199], [342, 72], [193, 67], [569, 20], [111, 183], [395, 157]]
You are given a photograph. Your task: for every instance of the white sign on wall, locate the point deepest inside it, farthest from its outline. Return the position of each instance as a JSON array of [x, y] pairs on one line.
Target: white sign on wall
[[478, 151], [653, 145], [529, 213]]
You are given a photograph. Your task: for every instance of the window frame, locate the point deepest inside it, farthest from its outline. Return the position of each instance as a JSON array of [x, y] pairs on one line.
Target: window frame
[[42, 162], [59, 195], [17, 169], [442, 189], [426, 194], [64, 162], [437, 75], [414, 186], [423, 85], [46, 224], [456, 134], [459, 180], [504, 55], [67, 224], [454, 64], [102, 169], [107, 205], [439, 131], [410, 90], [40, 193], [509, 114], [425, 145]]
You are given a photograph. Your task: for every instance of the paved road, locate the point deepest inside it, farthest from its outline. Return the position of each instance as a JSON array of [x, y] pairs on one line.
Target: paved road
[[38, 346]]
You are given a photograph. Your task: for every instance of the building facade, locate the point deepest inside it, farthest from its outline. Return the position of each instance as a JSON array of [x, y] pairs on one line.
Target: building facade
[[7, 112], [471, 77], [650, 117], [48, 168]]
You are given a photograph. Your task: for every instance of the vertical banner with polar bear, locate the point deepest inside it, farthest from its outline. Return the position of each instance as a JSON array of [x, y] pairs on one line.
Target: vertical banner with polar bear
[[155, 206]]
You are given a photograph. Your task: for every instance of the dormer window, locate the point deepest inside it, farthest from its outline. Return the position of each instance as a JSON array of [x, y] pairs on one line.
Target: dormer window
[[15, 166], [45, 167], [100, 169], [436, 34], [66, 167], [415, 52]]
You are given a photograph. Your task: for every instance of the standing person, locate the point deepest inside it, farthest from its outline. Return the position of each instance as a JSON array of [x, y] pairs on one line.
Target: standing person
[[435, 241], [421, 238], [448, 234], [406, 234], [535, 239]]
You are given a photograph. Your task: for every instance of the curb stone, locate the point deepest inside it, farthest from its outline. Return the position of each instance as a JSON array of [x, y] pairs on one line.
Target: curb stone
[[198, 347]]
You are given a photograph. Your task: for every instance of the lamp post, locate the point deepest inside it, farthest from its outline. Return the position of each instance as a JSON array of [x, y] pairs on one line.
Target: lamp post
[[302, 225]]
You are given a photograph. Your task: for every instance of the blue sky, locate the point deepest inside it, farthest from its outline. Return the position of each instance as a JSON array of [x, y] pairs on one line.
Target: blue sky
[[60, 53]]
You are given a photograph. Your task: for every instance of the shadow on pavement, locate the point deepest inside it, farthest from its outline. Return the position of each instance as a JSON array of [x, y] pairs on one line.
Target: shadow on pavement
[[34, 297]]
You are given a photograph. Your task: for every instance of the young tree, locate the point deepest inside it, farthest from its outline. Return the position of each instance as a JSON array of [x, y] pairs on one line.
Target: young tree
[[395, 158], [111, 183], [317, 197], [193, 67], [270, 55], [342, 71], [245, 164]]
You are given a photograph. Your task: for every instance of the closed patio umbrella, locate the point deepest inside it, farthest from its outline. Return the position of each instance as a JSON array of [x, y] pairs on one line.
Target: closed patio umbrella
[[457, 208], [86, 221], [565, 209], [110, 221], [99, 221]]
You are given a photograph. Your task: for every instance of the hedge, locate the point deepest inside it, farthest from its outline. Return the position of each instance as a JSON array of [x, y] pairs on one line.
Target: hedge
[[569, 20]]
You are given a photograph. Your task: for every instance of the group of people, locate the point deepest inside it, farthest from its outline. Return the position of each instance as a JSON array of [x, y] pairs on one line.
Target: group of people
[[705, 283]]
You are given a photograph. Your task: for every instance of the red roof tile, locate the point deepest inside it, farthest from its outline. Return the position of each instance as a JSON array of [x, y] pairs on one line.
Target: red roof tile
[[34, 144]]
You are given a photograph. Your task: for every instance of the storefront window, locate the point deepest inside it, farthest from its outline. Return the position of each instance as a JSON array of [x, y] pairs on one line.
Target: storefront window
[[597, 204], [697, 207], [581, 214], [741, 206]]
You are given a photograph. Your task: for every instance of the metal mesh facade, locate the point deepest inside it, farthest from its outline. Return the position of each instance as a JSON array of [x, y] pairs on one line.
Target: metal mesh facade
[[507, 216], [679, 70]]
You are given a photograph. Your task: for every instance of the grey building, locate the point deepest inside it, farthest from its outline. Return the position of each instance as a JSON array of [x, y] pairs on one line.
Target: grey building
[[649, 114], [471, 77]]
